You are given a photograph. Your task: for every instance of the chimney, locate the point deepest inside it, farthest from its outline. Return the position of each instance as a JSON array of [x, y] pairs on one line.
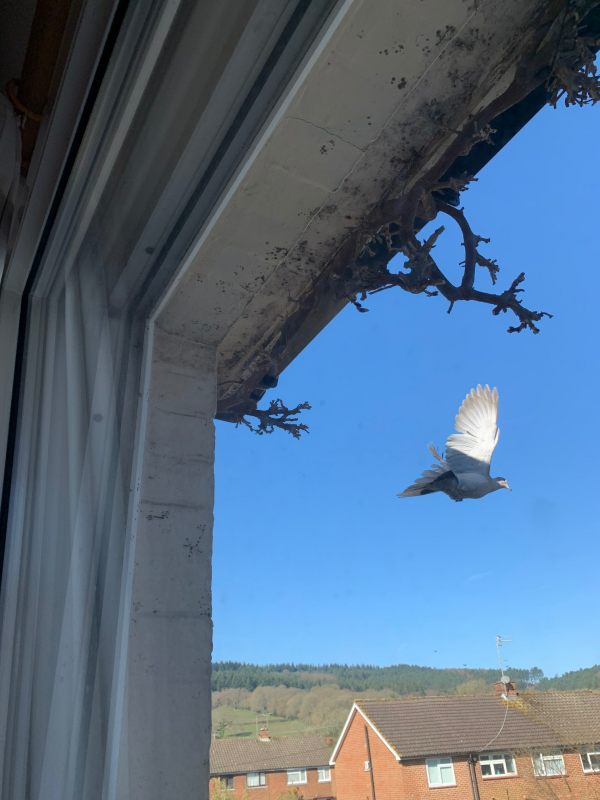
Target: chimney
[[505, 687], [263, 735]]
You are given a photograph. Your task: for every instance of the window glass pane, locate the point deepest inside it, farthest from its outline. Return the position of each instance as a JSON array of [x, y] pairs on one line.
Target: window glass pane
[[554, 765], [440, 771], [594, 760], [296, 776], [498, 764], [548, 764]]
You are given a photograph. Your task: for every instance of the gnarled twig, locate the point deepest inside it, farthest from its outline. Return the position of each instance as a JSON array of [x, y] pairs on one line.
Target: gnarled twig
[[277, 415], [370, 273]]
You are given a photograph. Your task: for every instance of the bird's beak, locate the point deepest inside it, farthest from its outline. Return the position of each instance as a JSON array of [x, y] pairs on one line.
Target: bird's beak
[[507, 486]]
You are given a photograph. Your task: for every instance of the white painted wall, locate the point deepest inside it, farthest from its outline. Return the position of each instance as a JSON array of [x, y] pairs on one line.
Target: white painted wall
[[168, 695]]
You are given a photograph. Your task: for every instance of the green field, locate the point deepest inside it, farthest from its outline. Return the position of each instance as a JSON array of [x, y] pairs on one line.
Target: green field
[[227, 721]]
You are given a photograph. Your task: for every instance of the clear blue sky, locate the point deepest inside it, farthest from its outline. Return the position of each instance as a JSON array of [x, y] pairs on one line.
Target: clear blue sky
[[317, 560]]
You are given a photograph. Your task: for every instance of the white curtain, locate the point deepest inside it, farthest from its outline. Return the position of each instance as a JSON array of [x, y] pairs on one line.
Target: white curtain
[[63, 578]]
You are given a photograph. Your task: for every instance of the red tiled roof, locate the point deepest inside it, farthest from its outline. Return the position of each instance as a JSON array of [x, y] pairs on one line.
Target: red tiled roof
[[234, 756], [575, 716], [449, 725]]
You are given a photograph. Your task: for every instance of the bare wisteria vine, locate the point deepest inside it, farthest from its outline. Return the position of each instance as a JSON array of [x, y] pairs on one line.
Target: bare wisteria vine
[[421, 273], [277, 415], [361, 266]]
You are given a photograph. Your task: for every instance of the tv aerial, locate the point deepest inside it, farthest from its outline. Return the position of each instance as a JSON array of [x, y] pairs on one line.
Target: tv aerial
[[500, 640]]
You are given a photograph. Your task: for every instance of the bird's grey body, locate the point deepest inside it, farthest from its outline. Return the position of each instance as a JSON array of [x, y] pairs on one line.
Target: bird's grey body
[[464, 472]]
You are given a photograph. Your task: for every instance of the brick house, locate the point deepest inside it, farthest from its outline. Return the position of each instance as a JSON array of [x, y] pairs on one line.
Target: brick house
[[269, 768], [509, 746]]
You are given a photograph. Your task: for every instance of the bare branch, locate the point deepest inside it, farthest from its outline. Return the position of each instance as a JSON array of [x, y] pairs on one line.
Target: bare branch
[[460, 184], [490, 263], [481, 133], [470, 240], [508, 300], [277, 415], [560, 48], [422, 275]]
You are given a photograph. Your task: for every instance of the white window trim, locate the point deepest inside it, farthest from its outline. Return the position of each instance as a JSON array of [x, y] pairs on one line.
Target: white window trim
[[301, 772], [324, 780], [262, 780], [589, 770], [547, 756], [492, 758], [447, 761]]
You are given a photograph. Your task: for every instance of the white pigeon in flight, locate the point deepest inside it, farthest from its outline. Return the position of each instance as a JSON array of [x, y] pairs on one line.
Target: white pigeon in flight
[[464, 471]]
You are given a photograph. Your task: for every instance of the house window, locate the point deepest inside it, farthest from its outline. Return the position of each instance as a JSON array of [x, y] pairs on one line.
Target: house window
[[323, 774], [295, 776], [590, 761], [227, 781], [548, 764], [254, 779], [495, 764], [440, 772]]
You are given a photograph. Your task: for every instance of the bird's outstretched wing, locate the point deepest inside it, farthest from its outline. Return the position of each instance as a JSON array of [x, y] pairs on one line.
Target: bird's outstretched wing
[[471, 448]]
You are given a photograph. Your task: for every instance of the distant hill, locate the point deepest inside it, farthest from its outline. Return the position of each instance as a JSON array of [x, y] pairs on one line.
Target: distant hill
[[587, 678], [400, 678], [304, 698]]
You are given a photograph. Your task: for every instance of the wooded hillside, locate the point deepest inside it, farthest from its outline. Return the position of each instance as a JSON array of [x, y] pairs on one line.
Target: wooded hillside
[[302, 698]]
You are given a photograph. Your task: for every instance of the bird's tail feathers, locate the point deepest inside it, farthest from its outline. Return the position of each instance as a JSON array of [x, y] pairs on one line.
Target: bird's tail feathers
[[412, 491], [422, 484]]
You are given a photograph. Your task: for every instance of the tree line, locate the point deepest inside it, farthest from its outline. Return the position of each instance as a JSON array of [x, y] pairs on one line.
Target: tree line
[[399, 678], [320, 696]]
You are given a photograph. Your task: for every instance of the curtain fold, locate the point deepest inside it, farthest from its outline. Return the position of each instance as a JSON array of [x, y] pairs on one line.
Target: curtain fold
[[67, 537]]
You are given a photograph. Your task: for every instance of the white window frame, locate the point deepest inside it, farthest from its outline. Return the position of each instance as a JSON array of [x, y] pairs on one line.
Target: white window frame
[[507, 760], [542, 758], [261, 780], [321, 771], [301, 773], [586, 754], [443, 762]]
